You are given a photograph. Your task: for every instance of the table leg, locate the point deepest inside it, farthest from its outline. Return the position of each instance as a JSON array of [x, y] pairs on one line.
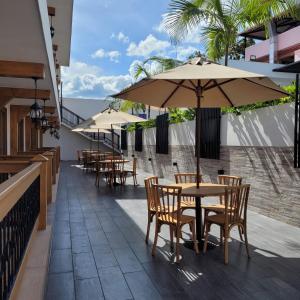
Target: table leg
[[199, 220]]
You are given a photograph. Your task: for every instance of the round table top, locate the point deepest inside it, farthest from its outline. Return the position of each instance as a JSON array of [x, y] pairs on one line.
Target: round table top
[[204, 190]]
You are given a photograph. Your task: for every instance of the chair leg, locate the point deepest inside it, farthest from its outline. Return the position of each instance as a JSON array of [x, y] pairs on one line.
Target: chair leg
[[171, 237], [155, 238], [226, 247], [148, 228], [135, 180], [246, 241], [205, 216], [241, 232], [177, 243], [221, 235], [206, 226], [193, 226]]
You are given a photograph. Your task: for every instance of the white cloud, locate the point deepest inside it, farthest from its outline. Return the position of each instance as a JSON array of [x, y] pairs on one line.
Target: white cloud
[[112, 55], [149, 45], [120, 37], [184, 52], [87, 81]]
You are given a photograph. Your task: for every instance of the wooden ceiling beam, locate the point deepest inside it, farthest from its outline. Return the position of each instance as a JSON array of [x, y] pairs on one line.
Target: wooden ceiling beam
[[26, 108], [50, 109], [24, 93], [21, 69]]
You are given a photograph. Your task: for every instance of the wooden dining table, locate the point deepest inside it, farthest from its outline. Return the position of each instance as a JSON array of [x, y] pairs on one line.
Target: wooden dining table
[[204, 190]]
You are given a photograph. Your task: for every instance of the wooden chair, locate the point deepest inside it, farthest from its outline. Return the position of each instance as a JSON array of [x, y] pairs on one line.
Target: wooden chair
[[149, 182], [226, 180], [167, 201], [79, 156], [102, 169], [220, 207], [116, 171], [235, 214], [187, 202], [132, 172]]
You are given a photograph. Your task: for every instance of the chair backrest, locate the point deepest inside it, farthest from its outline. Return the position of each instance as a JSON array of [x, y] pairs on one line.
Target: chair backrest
[[236, 203], [168, 202], [149, 182], [118, 165], [230, 181], [186, 178]]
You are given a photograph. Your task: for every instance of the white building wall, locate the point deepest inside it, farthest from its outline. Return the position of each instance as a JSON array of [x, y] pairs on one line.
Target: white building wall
[[69, 142]]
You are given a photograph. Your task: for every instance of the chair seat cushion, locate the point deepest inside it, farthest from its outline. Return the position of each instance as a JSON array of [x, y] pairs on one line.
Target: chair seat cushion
[[172, 219], [214, 207]]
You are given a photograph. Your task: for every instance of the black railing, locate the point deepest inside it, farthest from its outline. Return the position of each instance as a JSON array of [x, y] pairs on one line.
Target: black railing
[[15, 231], [72, 119]]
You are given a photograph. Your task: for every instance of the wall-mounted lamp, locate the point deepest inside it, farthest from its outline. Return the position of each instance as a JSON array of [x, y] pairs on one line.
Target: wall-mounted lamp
[[175, 164], [150, 159], [221, 172]]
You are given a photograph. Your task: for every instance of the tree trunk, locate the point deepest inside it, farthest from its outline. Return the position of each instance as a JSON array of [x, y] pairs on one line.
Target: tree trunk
[[226, 55], [149, 111]]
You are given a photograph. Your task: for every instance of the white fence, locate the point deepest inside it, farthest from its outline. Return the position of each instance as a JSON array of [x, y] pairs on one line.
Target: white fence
[[270, 126]]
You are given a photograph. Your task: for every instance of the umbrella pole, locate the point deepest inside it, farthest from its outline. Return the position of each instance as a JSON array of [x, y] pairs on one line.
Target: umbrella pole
[[198, 130], [98, 141], [112, 140]]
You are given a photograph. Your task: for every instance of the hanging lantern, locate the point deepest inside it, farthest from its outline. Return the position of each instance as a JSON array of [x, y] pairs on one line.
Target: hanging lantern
[[44, 119], [36, 110], [52, 130], [56, 134], [52, 30]]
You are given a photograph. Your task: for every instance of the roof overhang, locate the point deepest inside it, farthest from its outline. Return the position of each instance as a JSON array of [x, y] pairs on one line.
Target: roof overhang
[[282, 24], [290, 68], [62, 23]]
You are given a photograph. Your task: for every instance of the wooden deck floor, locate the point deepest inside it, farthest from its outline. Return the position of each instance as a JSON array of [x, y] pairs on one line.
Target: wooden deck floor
[[98, 252]]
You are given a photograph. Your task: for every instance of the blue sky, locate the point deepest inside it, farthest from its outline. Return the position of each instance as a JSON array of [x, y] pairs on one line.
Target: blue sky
[[109, 37]]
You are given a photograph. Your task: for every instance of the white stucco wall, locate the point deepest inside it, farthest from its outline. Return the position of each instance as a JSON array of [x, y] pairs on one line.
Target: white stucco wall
[[271, 126], [69, 142]]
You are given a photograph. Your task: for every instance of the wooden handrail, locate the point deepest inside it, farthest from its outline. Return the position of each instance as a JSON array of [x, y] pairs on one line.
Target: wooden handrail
[[13, 166], [12, 189]]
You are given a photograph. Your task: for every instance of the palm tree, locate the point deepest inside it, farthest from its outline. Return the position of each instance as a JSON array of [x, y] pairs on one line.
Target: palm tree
[[220, 20], [142, 70]]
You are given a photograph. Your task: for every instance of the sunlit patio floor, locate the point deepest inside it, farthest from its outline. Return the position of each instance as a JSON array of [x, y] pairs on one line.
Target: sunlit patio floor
[[98, 251]]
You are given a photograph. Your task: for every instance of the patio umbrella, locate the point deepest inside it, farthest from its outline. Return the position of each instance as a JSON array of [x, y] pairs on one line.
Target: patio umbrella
[[200, 83], [110, 118], [92, 130]]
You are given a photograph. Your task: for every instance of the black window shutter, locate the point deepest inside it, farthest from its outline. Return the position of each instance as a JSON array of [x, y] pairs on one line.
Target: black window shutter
[[210, 140], [162, 134], [124, 138], [138, 139]]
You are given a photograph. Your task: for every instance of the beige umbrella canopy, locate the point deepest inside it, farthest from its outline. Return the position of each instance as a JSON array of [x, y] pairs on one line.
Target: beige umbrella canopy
[[218, 86], [108, 120], [201, 83]]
